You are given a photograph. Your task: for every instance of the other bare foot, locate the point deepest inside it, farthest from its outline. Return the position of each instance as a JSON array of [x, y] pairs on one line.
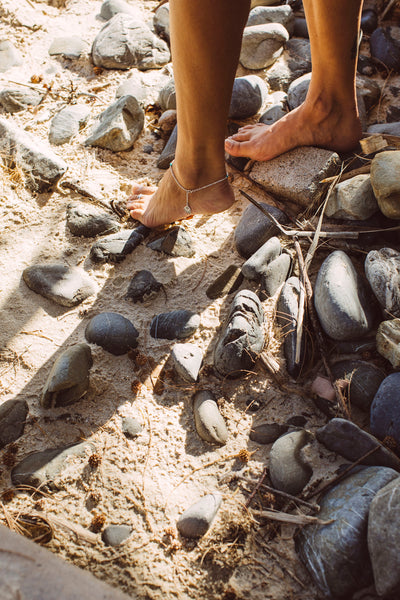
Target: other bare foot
[[154, 206], [303, 126]]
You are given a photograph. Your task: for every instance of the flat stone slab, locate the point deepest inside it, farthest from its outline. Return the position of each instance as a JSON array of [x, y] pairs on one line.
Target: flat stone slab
[[296, 175]]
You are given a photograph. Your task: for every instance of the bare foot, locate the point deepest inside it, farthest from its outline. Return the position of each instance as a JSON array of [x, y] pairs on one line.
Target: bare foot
[[165, 204], [303, 126]]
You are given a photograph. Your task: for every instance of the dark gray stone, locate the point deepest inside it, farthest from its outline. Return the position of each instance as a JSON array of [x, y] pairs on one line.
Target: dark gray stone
[[294, 62], [258, 262], [187, 359], [267, 433], [341, 546], [64, 285], [273, 114], [177, 324], [167, 96], [275, 274], [197, 519], [382, 268], [143, 287], [87, 221], [9, 56], [389, 128], [297, 421], [385, 46], [383, 539], [288, 469], [242, 337], [42, 168], [13, 415], [67, 123], [261, 15], [117, 246], [385, 409], [369, 20], [287, 311], [255, 228], [161, 22], [114, 535], [209, 422], [226, 283], [70, 47], [131, 427], [125, 42], [300, 27], [248, 95], [342, 300], [364, 380], [168, 153], [176, 242], [297, 90], [15, 99], [40, 469], [68, 379], [113, 332], [348, 440], [110, 8], [118, 126], [262, 45]]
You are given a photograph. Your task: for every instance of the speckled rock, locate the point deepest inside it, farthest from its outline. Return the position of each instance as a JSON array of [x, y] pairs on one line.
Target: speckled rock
[[114, 248], [113, 332], [209, 422], [385, 167], [70, 47], [114, 535], [68, 379], [272, 14], [87, 221], [341, 546], [274, 275], [289, 470], [382, 268], [258, 262], [9, 56], [388, 341], [187, 359], [248, 95], [64, 285], [168, 153], [176, 242], [197, 519], [226, 283], [167, 121], [262, 45], [67, 123], [143, 286], [255, 228], [13, 415], [363, 379], [161, 22], [267, 433], [177, 324], [385, 409], [110, 8], [167, 96], [287, 311], [130, 427], [342, 300], [353, 200], [16, 99]]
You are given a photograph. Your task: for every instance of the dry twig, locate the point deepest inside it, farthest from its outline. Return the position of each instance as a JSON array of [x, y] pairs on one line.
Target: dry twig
[[283, 517]]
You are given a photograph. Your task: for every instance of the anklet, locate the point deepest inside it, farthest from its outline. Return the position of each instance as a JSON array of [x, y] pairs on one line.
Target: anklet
[[187, 208]]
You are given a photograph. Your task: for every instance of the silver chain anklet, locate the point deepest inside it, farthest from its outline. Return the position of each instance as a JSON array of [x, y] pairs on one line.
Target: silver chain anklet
[[187, 208]]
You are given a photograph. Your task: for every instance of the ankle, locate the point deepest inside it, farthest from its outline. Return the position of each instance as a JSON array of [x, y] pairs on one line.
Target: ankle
[[195, 172], [322, 106]]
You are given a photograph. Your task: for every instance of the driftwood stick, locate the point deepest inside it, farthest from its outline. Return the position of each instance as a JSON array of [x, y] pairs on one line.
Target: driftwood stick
[[276, 492], [289, 518], [360, 171], [257, 487]]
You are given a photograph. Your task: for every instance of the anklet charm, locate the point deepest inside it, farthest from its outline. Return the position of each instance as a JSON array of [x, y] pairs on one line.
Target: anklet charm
[[187, 208]]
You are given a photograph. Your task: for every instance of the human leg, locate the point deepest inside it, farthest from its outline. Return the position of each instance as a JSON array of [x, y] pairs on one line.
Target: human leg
[[328, 117], [205, 43]]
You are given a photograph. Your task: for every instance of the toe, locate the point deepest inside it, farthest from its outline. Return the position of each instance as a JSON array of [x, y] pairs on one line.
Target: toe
[[236, 148], [138, 188]]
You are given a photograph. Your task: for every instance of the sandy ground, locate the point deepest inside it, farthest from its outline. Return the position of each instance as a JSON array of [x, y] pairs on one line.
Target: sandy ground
[[149, 481]]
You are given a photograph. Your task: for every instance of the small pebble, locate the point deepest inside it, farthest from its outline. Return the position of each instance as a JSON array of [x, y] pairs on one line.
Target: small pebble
[[114, 248], [385, 409], [289, 471], [187, 359], [13, 414], [197, 519], [255, 228], [267, 433], [113, 332], [258, 262], [64, 285], [388, 341], [87, 221], [287, 313], [131, 427], [274, 275], [209, 422], [176, 242], [177, 324], [143, 286], [114, 535]]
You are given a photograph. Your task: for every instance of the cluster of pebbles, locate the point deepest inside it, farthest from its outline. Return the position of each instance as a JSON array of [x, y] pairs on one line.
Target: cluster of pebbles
[[355, 541]]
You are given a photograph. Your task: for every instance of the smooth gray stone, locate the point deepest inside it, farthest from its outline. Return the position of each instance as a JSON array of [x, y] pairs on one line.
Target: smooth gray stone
[[110, 8], [133, 86], [342, 300], [176, 242], [348, 440], [287, 311], [118, 126], [297, 421], [353, 200], [114, 535], [227, 283], [385, 182], [275, 274], [262, 45], [13, 415], [68, 379], [384, 537], [364, 380], [242, 337], [70, 47], [294, 62], [131, 427], [143, 287], [288, 469], [87, 221], [388, 341], [161, 22], [9, 56], [114, 248], [248, 95], [40, 165], [67, 123], [168, 153], [209, 422], [15, 99], [389, 128], [255, 228], [197, 519], [187, 359], [267, 433], [369, 20], [273, 114], [382, 268], [300, 27], [40, 469], [177, 324], [167, 96], [255, 266], [64, 285], [113, 332], [385, 409], [297, 90], [385, 46], [272, 14], [341, 547], [125, 42]]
